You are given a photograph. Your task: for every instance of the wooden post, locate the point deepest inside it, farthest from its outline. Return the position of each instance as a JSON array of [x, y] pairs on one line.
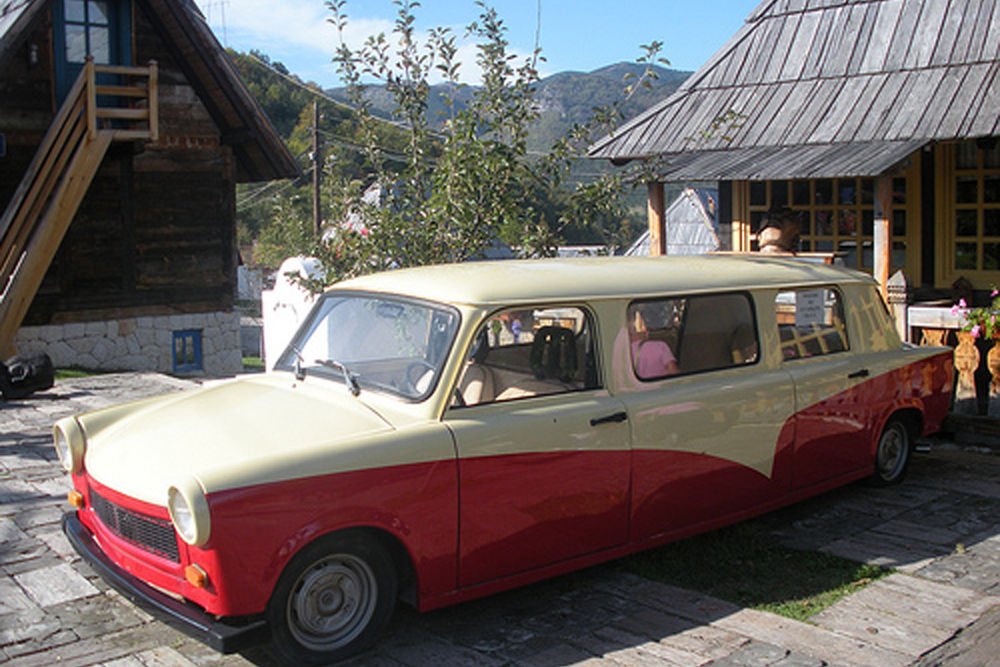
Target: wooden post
[[317, 167], [898, 295], [740, 218], [656, 213], [883, 232], [153, 97], [91, 93]]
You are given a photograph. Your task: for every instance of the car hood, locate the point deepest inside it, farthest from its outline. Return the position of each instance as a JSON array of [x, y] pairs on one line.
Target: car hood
[[225, 435]]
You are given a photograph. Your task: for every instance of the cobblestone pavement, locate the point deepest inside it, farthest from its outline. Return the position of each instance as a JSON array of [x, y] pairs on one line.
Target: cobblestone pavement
[[940, 530]]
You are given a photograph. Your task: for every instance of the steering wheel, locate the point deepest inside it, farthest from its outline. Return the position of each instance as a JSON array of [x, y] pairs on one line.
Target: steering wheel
[[415, 374]]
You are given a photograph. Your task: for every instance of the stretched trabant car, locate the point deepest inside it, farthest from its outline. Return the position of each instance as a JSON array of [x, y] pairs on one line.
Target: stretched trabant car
[[443, 433]]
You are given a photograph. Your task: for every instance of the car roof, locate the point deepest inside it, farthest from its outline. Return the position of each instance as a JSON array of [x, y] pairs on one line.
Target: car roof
[[581, 279]]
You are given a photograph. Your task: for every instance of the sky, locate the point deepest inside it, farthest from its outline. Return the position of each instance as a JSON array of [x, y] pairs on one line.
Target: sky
[[580, 35]]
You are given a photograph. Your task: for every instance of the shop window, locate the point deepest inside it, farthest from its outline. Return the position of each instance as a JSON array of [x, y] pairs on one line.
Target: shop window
[[973, 207], [838, 215]]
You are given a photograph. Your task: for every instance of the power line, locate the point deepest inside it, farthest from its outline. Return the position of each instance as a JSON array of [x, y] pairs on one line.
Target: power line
[[247, 199], [393, 155], [250, 199], [317, 92]]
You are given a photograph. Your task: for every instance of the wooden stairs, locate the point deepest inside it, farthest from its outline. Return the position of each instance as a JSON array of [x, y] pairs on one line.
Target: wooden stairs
[[93, 116]]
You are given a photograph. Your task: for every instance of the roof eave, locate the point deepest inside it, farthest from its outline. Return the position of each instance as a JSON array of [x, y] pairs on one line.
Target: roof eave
[[260, 152], [11, 36]]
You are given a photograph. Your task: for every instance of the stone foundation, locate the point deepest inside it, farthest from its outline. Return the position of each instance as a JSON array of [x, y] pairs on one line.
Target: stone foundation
[[138, 343]]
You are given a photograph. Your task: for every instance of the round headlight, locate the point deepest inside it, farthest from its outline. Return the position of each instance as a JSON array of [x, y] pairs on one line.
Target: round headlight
[[70, 443], [181, 515], [189, 512], [62, 448]]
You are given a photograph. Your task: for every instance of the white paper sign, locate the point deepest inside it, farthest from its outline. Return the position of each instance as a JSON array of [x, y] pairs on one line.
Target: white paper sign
[[809, 307]]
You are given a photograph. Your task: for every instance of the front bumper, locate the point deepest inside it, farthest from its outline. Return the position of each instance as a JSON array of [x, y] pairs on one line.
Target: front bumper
[[188, 618]]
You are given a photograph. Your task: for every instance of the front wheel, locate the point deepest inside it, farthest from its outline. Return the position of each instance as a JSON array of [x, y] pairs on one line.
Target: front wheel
[[332, 601], [892, 456]]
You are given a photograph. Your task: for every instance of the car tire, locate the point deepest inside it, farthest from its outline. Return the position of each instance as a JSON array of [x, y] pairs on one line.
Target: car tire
[[332, 601], [892, 454]]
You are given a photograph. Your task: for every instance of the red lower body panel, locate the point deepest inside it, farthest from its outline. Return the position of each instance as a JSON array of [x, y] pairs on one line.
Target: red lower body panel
[[257, 530]]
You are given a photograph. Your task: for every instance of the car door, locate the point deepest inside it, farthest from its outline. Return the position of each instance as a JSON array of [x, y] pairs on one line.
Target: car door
[[713, 438], [543, 454], [833, 404]]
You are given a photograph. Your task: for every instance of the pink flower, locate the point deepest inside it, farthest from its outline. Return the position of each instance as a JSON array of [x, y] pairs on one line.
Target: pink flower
[[994, 292], [962, 304], [975, 331]]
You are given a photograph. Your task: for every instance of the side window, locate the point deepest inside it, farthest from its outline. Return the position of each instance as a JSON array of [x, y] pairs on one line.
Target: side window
[[691, 334], [811, 322], [525, 352]]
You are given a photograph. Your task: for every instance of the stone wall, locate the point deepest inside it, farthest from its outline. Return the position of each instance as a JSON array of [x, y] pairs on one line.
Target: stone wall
[[137, 343]]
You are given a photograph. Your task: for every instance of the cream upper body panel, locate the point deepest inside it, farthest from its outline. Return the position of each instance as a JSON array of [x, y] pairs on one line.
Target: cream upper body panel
[[501, 283], [604, 286], [233, 434]]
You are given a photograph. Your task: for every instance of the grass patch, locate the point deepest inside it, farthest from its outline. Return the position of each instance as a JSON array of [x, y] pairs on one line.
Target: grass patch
[[70, 373], [746, 565]]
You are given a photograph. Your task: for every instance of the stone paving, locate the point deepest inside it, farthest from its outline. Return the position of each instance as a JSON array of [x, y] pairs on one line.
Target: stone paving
[[940, 530]]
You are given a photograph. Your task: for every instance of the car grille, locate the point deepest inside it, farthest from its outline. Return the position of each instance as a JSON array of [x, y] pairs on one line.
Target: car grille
[[150, 534]]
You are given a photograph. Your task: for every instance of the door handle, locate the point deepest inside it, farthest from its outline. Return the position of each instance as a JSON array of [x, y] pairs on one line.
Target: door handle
[[613, 418], [863, 373]]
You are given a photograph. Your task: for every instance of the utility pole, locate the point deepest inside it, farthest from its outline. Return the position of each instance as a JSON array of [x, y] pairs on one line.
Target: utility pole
[[317, 169]]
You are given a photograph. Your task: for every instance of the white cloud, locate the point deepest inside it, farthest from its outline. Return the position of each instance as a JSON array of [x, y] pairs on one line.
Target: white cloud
[[300, 35]]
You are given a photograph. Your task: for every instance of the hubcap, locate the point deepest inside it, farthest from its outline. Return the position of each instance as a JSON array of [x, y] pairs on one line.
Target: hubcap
[[332, 602], [891, 452]]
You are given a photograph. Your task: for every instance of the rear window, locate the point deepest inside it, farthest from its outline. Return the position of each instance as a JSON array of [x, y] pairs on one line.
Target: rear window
[[811, 322]]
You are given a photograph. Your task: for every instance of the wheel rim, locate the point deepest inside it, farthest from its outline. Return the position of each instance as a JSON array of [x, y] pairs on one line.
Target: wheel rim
[[892, 451], [332, 602]]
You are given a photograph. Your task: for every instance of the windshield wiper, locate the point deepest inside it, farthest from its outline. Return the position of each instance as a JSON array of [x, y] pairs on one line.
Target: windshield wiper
[[350, 379]]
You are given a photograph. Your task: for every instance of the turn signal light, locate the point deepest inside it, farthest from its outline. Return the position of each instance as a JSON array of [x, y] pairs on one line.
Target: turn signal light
[[75, 498], [196, 576]]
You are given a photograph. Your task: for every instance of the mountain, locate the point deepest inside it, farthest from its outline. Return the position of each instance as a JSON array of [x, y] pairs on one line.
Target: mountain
[[564, 98]]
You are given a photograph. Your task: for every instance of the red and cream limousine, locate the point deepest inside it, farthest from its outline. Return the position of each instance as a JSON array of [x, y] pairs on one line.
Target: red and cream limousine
[[443, 433]]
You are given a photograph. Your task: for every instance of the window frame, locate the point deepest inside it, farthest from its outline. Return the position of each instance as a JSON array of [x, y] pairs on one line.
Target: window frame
[[751, 302], [815, 335], [762, 196], [590, 324], [88, 24], [286, 360], [948, 173]]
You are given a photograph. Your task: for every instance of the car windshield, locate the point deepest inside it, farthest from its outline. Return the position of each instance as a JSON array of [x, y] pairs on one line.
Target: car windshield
[[384, 344]]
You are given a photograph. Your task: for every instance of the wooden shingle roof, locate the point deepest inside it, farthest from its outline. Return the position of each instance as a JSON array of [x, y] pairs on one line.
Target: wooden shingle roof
[[810, 88]]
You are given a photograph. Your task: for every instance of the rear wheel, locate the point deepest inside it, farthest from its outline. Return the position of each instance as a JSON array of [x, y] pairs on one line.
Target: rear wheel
[[892, 455], [332, 601]]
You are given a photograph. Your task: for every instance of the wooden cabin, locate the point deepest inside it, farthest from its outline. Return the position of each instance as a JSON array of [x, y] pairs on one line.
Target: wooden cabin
[[124, 130], [875, 122]]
